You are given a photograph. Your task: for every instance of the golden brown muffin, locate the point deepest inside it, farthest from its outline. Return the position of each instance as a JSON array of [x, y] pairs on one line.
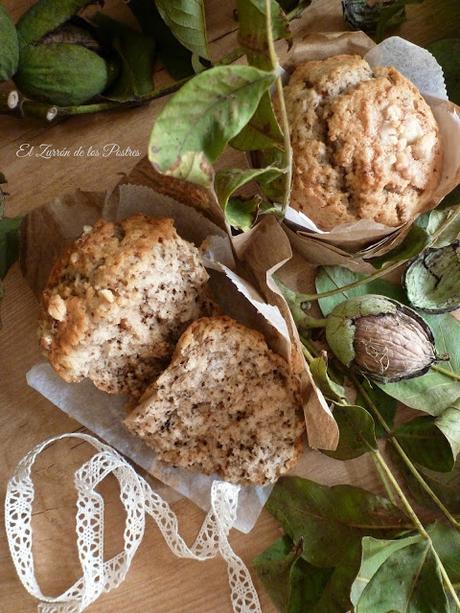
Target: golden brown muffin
[[226, 404], [365, 143], [117, 301]]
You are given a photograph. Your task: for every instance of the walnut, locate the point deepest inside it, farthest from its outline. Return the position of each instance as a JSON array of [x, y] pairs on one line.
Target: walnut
[[380, 337]]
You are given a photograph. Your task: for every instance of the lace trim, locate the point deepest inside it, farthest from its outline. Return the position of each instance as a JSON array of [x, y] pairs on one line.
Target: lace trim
[[138, 499]]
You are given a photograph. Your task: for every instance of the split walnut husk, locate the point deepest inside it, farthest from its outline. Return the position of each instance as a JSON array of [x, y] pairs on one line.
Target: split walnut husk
[[432, 280], [383, 339]]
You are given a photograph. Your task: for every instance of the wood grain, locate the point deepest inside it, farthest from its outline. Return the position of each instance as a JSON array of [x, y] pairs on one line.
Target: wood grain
[[157, 581]]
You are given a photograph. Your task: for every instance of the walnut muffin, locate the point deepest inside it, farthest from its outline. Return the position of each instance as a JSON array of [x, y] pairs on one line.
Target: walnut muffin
[[117, 301], [365, 143], [226, 404]]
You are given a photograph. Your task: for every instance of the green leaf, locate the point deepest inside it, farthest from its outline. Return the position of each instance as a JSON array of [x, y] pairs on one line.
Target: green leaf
[[333, 277], [252, 34], [9, 52], [9, 243], [408, 581], [445, 222], [451, 199], [262, 131], [356, 430], [432, 442], [330, 519], [299, 306], [227, 181], [174, 56], [416, 240], [385, 404], [336, 593], [433, 392], [241, 213], [187, 21], [446, 486], [432, 280], [195, 125], [447, 52], [136, 57], [446, 541], [292, 584], [374, 553], [332, 390]]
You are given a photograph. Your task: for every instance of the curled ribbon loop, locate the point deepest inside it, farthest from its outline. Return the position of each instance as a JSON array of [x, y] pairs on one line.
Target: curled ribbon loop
[[138, 499]]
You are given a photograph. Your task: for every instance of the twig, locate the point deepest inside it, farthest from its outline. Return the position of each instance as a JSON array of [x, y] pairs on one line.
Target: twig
[[383, 477], [282, 105], [446, 372], [418, 524], [407, 461], [389, 481]]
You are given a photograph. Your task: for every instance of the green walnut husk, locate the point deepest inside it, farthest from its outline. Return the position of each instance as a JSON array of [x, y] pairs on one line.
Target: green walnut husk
[[46, 16], [59, 62], [62, 73], [432, 280], [380, 337], [9, 48]]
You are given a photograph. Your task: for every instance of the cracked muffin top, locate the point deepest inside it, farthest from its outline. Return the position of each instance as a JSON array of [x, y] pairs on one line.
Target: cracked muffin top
[[365, 143], [226, 404], [117, 301]]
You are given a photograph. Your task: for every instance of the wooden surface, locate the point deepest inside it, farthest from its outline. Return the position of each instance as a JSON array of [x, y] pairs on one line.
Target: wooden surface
[[157, 580]]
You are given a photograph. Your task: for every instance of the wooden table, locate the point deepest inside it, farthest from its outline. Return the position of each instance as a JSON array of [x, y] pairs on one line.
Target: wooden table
[[157, 581]]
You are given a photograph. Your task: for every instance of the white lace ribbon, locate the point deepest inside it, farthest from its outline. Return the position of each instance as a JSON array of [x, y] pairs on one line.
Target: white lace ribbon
[[138, 498]]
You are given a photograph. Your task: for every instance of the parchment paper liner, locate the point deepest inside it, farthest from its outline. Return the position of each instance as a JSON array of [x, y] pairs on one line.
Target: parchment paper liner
[[48, 229], [365, 238]]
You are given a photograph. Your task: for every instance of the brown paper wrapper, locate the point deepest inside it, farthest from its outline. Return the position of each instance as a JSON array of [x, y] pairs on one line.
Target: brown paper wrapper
[[365, 239]]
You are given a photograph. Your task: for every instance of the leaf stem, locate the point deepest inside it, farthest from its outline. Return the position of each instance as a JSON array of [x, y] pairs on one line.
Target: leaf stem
[[446, 372], [443, 226], [405, 458], [282, 106], [417, 523], [383, 477], [376, 275]]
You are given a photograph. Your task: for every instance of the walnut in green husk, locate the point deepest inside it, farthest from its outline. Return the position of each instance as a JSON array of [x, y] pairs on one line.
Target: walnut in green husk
[[381, 338], [59, 62]]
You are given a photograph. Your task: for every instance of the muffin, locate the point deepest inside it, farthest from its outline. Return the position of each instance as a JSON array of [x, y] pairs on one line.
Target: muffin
[[365, 143], [226, 404], [117, 301]]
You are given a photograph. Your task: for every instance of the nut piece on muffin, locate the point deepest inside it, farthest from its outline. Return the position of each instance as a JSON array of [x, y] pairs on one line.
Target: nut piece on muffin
[[226, 404], [365, 143], [117, 301]]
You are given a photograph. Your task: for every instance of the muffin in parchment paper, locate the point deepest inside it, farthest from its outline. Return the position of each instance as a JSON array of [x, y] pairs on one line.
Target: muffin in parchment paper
[[117, 301], [226, 404], [365, 143]]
